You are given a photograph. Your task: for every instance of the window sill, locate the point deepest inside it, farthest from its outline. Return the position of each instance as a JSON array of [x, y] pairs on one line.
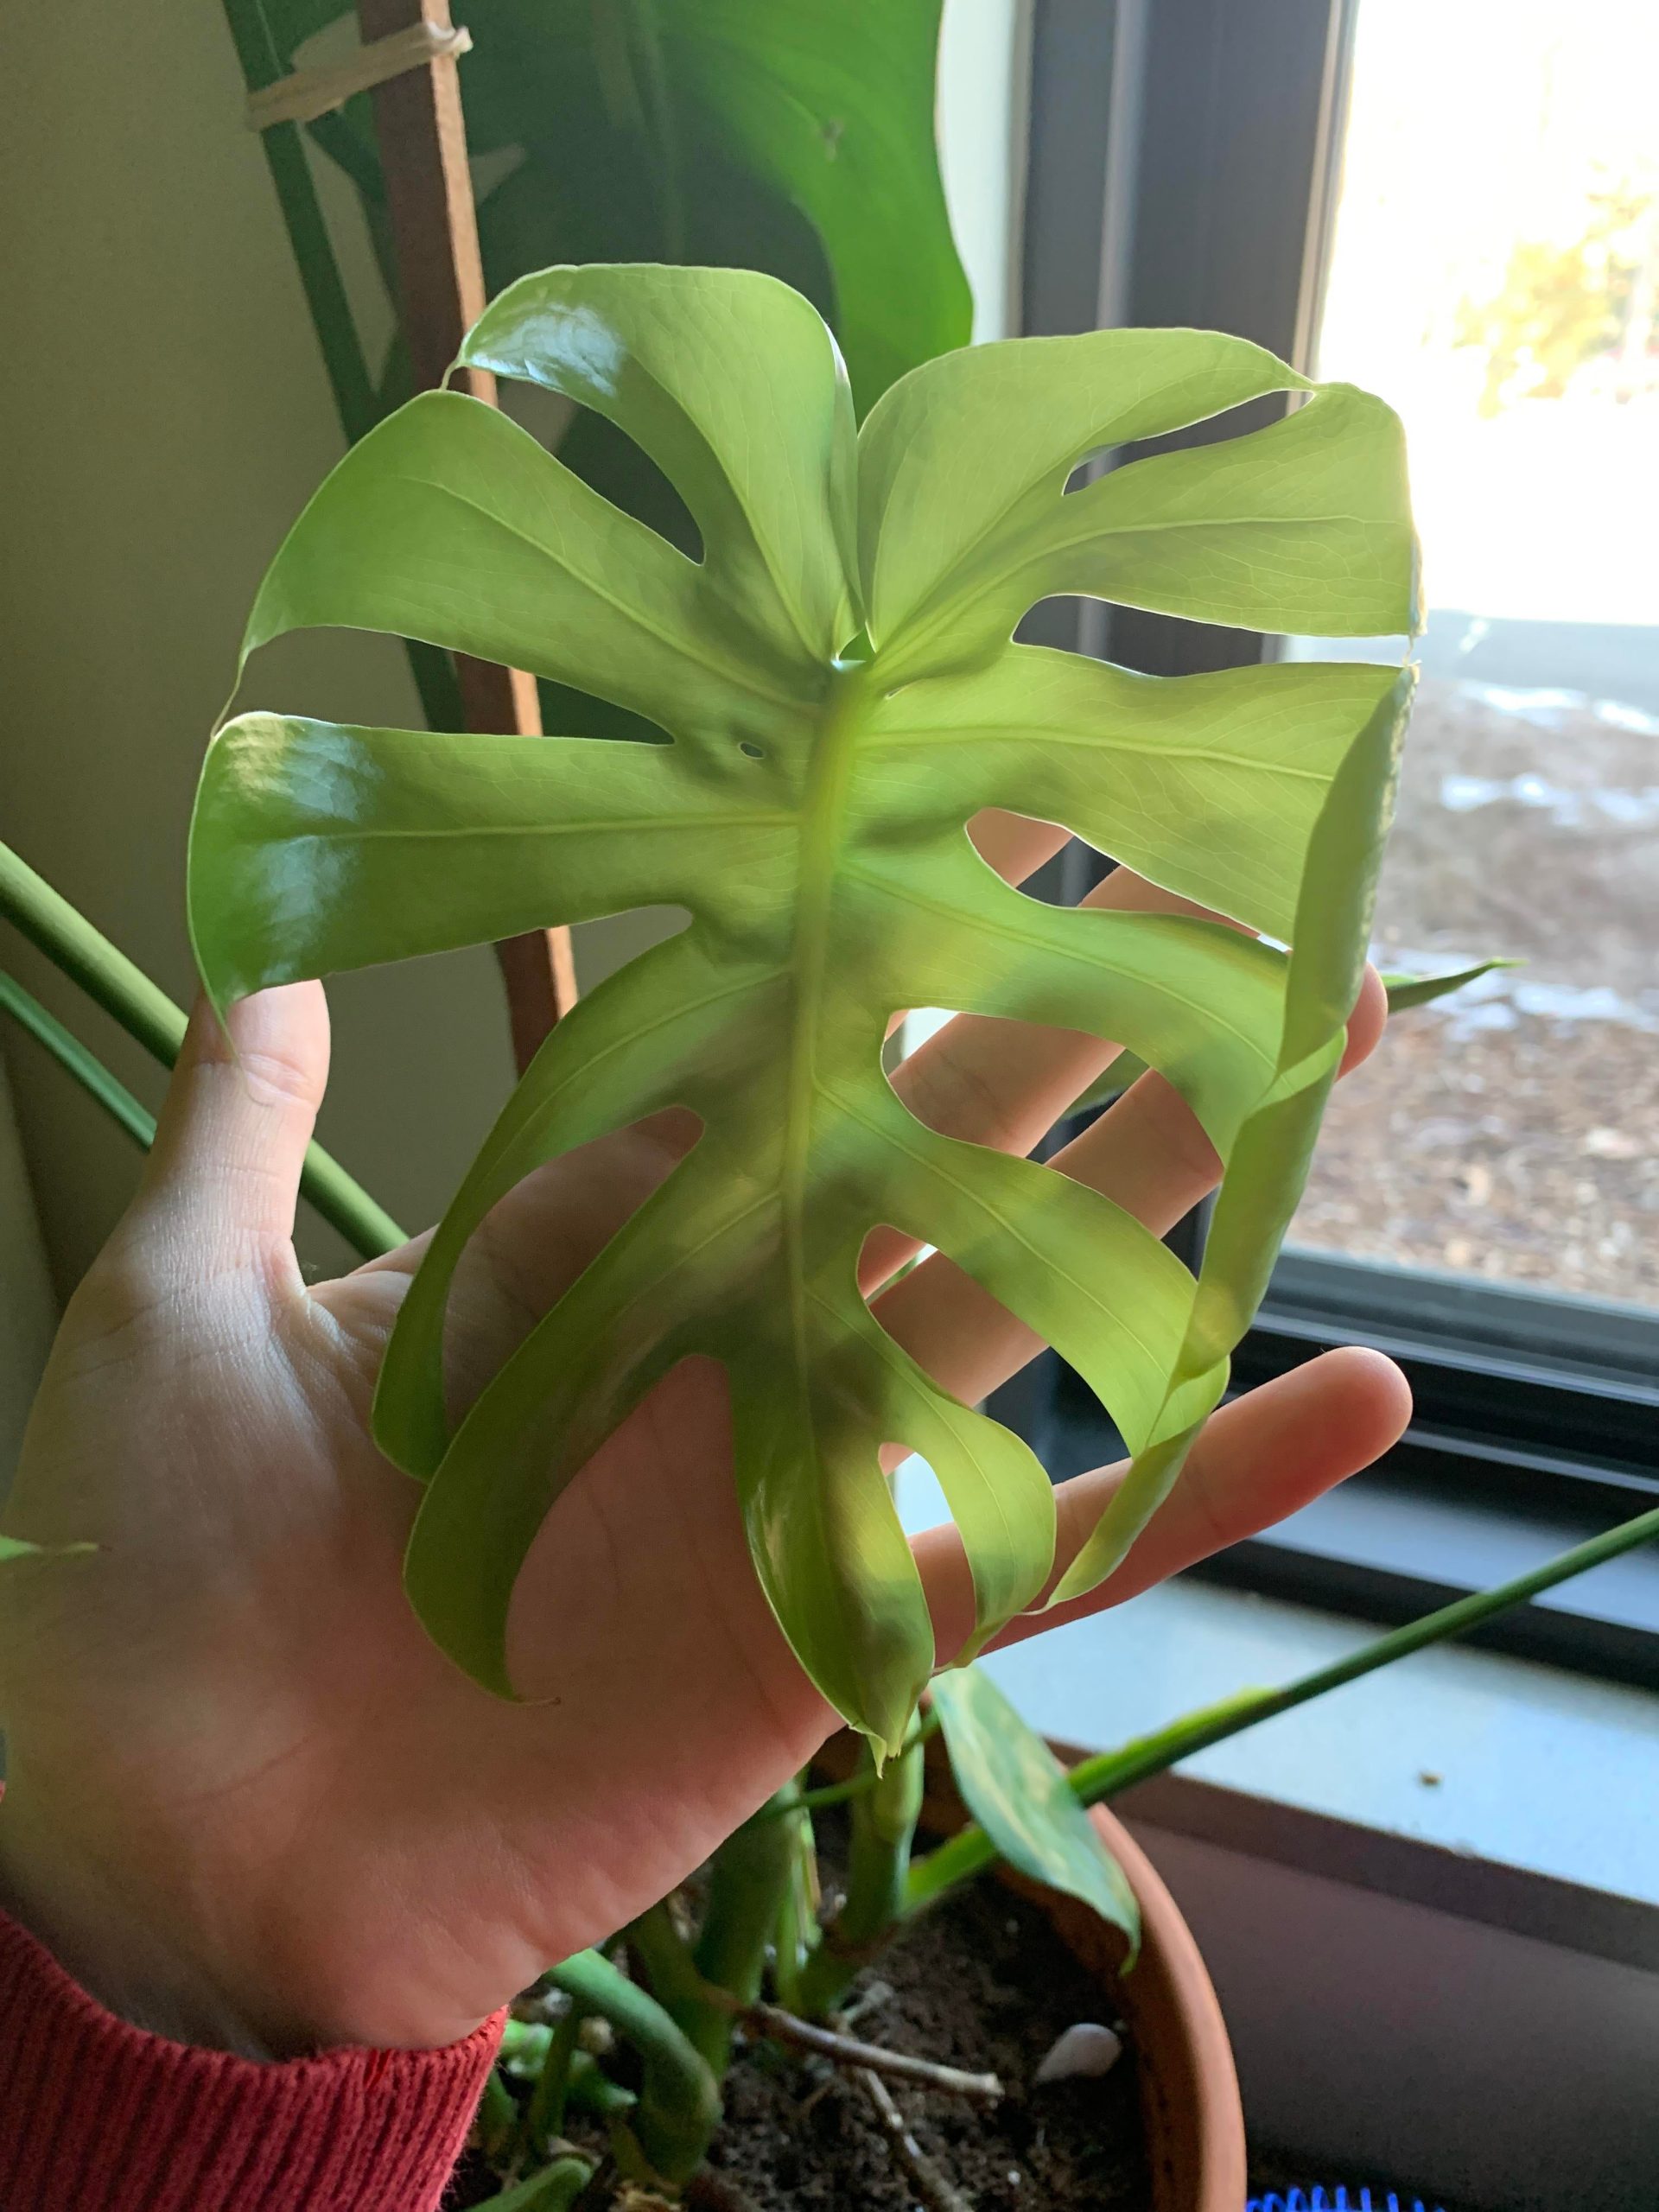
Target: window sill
[[1480, 1784]]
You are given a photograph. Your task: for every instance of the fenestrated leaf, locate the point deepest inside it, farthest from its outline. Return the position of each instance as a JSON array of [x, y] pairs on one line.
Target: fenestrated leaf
[[964, 520], [1016, 1788], [809, 812], [798, 141]]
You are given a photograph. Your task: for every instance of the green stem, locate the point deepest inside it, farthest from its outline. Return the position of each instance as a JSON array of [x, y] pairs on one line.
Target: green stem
[[678, 1985], [674, 2122], [970, 1851], [498, 2116], [797, 1934], [554, 2190], [884, 1827], [358, 403], [544, 2116], [748, 1884], [146, 1012], [313, 254], [87, 1068], [838, 1792]]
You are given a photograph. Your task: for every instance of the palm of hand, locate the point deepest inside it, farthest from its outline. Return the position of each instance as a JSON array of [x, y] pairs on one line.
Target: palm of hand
[[248, 1799]]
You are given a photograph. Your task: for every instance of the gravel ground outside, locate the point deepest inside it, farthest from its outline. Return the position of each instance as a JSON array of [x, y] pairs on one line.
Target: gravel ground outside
[[1512, 1133]]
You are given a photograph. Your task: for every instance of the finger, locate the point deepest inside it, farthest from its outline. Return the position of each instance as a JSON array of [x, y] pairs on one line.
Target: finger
[[988, 1081], [1147, 1153], [1258, 1460], [1015, 845], [225, 1169]]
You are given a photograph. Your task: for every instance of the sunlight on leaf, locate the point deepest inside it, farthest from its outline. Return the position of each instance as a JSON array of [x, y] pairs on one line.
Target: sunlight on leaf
[[838, 682]]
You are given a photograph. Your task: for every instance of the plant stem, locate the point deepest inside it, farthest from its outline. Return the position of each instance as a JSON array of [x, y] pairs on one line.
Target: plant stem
[[674, 2122], [796, 1936], [543, 2116], [314, 255], [847, 2051], [498, 2116], [696, 2003], [839, 1793], [1093, 1780], [883, 1826], [146, 1012], [748, 1887], [554, 2190], [87, 1068], [357, 402]]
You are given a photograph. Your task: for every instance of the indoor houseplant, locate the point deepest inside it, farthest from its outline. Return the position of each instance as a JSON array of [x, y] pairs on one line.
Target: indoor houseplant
[[256, 808], [1310, 829], [841, 698]]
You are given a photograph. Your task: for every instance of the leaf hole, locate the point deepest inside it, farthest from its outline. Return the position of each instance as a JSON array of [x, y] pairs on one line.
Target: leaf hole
[[995, 1079], [754, 752]]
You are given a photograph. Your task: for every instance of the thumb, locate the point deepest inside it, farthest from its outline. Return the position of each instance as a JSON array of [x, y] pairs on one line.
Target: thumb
[[225, 1167]]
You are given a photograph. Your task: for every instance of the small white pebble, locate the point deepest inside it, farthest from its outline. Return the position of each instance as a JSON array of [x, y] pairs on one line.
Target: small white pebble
[[1015, 2177], [1087, 2049]]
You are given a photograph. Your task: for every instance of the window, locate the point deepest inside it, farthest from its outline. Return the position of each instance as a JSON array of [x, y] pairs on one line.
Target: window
[[1495, 275], [1464, 215]]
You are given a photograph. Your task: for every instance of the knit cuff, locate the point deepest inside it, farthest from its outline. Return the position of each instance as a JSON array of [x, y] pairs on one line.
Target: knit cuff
[[98, 2114]]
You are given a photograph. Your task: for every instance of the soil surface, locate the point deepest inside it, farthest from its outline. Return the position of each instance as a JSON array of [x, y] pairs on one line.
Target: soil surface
[[983, 1984]]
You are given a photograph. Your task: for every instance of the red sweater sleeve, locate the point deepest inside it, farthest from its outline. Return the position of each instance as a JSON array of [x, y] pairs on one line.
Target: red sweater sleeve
[[99, 2116]]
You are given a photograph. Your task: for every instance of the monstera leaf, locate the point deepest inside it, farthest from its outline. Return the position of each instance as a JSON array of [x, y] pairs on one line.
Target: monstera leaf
[[836, 680], [798, 140], [795, 139]]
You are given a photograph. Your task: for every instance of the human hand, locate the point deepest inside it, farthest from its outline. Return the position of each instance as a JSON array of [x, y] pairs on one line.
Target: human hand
[[248, 1802]]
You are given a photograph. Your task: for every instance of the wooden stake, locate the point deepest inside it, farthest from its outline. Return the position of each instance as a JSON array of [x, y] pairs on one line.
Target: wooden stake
[[441, 275]]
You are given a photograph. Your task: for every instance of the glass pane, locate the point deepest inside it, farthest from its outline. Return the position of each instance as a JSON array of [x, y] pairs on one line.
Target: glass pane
[[1495, 275]]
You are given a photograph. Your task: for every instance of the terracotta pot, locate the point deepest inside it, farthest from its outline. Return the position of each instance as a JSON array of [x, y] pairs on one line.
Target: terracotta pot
[[1189, 2087]]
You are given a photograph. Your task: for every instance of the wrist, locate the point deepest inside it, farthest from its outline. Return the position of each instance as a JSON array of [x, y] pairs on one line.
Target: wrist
[[180, 1957], [120, 1955]]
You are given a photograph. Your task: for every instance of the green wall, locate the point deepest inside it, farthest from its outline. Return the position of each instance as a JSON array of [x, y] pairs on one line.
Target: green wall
[[166, 416]]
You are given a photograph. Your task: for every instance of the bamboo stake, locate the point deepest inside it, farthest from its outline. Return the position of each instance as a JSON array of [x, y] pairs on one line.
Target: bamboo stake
[[434, 223]]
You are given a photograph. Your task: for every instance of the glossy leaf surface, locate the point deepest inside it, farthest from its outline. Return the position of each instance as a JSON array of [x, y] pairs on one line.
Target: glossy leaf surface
[[842, 697], [1017, 1790]]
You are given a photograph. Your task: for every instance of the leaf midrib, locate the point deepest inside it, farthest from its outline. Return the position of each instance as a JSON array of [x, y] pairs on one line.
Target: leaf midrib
[[991, 732], [823, 812], [955, 607]]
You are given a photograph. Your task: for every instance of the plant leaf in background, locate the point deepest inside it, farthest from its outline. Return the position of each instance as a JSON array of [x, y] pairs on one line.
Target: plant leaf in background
[[1017, 1790], [796, 140], [1406, 991], [836, 718]]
